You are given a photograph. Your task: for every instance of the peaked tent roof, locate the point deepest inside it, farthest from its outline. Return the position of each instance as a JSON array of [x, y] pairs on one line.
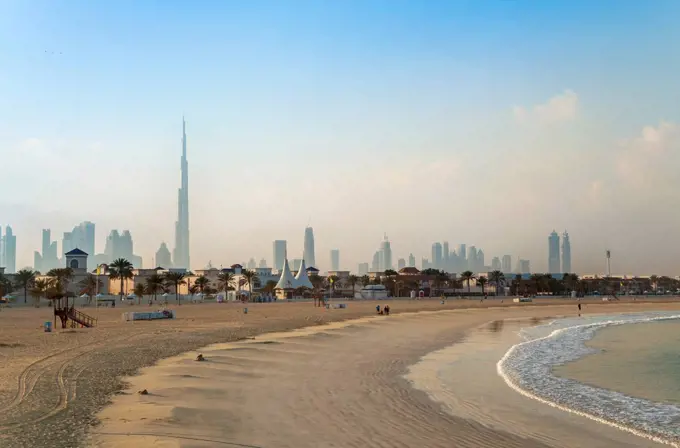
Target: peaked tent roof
[[75, 251], [287, 281], [301, 279]]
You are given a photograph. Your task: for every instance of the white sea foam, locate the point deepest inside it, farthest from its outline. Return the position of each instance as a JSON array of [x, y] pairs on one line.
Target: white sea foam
[[527, 368]]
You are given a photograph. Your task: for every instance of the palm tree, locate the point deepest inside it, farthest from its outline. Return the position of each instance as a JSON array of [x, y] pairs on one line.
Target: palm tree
[[225, 281], [365, 280], [39, 290], [269, 287], [516, 283], [24, 279], [352, 280], [175, 279], [317, 282], [538, 281], [497, 278], [90, 285], [251, 277], [120, 269], [139, 290], [60, 280], [154, 283], [333, 280], [201, 282], [654, 279], [194, 289], [481, 281], [468, 276], [5, 285]]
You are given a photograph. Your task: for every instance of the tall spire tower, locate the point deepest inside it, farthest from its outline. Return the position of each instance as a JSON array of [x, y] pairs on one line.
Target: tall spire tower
[[180, 255]]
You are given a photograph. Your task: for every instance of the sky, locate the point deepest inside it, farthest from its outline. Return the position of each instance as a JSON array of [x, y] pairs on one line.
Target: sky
[[489, 123]]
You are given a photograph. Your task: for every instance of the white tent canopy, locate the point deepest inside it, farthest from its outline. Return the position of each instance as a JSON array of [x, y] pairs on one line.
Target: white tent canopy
[[302, 279], [287, 281]]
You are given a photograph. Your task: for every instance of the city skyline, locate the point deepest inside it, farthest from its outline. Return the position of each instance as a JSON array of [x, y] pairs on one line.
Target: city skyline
[[417, 102]]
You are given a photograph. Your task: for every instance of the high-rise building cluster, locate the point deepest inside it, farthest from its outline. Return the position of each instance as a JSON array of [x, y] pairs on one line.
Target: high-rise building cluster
[[46, 259], [8, 250], [382, 258], [445, 259], [559, 264], [81, 237]]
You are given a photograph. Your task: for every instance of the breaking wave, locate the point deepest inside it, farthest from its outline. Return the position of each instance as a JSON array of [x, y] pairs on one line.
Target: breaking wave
[[527, 368]]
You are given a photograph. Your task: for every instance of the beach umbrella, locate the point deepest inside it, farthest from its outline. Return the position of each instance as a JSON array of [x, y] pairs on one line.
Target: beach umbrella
[[84, 296], [99, 295], [165, 294], [8, 297]]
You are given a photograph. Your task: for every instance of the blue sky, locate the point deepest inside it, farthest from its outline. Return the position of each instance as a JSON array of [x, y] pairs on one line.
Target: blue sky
[[365, 116]]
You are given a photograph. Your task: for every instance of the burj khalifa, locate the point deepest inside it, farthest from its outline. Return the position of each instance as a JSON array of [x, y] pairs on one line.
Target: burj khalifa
[[180, 256]]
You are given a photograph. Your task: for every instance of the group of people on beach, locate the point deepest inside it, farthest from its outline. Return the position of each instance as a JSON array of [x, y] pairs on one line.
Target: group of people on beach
[[385, 310]]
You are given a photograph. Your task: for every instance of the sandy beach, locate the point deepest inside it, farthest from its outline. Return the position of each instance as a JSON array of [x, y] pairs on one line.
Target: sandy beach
[[341, 385]]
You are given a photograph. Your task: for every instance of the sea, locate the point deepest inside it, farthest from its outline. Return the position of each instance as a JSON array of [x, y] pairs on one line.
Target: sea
[[620, 370]]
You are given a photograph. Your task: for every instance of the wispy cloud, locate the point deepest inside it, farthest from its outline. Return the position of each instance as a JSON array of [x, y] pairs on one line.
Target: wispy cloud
[[559, 108], [651, 159]]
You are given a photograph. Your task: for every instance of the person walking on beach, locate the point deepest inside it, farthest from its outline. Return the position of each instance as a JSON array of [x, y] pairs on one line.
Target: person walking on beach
[[387, 309]]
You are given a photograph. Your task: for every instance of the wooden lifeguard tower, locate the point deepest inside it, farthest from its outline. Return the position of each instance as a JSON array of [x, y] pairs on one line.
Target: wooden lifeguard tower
[[70, 317], [76, 262]]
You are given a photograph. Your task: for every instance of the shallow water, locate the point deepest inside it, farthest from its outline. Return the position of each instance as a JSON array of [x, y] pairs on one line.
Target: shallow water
[[641, 360], [529, 369], [464, 379]]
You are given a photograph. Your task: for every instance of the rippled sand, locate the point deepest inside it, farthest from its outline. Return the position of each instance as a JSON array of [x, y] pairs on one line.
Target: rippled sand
[[343, 386]]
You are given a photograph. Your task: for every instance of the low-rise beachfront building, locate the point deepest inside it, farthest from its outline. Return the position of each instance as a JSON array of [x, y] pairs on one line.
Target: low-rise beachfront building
[[341, 275]]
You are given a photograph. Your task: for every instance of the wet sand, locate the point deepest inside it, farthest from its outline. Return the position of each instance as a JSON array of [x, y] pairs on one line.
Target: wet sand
[[344, 386]]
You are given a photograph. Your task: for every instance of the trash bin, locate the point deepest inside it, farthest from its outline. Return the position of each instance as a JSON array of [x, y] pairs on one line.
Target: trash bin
[[245, 310], [48, 327]]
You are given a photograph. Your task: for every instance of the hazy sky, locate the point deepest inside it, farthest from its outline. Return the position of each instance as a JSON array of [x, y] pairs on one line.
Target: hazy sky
[[478, 122]]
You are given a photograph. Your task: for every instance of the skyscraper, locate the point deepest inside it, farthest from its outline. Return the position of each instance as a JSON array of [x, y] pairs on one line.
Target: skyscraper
[[496, 264], [446, 263], [362, 269], [46, 260], [9, 251], [462, 258], [308, 255], [81, 237], [375, 263], [481, 264], [163, 257], [385, 254], [437, 258], [506, 264], [554, 253], [401, 263], [335, 260], [472, 259], [411, 261], [180, 255], [279, 254], [566, 253]]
